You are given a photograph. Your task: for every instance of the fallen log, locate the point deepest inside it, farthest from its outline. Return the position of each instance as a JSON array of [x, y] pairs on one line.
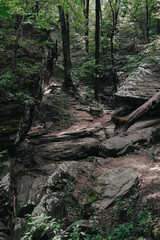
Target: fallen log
[[123, 123]]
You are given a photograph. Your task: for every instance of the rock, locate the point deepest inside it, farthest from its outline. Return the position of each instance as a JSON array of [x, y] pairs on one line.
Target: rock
[[95, 111], [74, 144], [139, 86], [36, 134], [48, 124], [61, 198], [67, 150], [71, 134], [85, 225], [57, 195], [14, 129], [156, 231], [29, 190], [124, 143], [113, 185], [3, 236], [5, 186], [154, 151], [19, 228]]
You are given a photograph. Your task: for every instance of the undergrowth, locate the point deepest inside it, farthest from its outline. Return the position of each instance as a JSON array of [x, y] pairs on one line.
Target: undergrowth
[[132, 222]]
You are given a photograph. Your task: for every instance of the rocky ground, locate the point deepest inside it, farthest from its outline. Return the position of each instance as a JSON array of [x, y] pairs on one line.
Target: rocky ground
[[81, 171]]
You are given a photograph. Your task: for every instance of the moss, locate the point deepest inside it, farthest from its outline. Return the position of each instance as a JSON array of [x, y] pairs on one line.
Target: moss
[[92, 196]]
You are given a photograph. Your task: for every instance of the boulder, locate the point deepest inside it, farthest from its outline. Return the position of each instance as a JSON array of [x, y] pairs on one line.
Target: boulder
[[140, 86], [29, 190], [88, 226], [74, 144], [154, 151], [3, 236], [58, 200], [19, 228], [95, 111], [124, 143], [5, 186], [113, 185]]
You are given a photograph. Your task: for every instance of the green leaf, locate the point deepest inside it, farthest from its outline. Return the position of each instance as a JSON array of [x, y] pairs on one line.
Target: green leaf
[[4, 12]]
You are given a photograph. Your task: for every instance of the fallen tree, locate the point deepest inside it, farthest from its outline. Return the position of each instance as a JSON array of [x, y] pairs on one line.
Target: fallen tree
[[123, 123]]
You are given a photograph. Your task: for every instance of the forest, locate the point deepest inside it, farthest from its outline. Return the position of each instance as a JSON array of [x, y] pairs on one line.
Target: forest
[[79, 119]]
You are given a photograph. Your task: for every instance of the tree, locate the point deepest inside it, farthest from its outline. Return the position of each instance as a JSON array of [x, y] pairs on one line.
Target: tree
[[86, 14], [123, 123], [66, 54], [97, 34], [141, 12], [115, 7]]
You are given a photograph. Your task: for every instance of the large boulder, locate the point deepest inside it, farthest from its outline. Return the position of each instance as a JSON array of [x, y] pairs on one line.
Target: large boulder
[[139, 86], [30, 189], [124, 143], [74, 144], [5, 194], [5, 186], [113, 185]]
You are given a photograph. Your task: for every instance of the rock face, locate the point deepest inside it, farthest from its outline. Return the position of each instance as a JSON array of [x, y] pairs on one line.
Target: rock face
[[113, 185], [139, 86], [5, 194]]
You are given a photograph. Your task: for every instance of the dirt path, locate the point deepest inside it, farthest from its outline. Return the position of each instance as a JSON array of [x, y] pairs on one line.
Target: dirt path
[[149, 170]]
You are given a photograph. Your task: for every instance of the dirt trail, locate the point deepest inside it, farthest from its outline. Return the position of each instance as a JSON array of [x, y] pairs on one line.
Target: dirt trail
[[148, 169], [141, 160]]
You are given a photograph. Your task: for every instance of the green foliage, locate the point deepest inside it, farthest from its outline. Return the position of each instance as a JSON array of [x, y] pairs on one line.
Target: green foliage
[[148, 55], [2, 153], [46, 43], [86, 70], [77, 233], [4, 12], [51, 227], [92, 196], [135, 224], [14, 89], [45, 224]]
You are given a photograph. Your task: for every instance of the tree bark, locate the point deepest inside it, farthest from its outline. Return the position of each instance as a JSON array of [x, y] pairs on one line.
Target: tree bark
[[87, 26], [68, 37], [97, 33], [123, 123], [115, 13], [147, 22], [66, 55]]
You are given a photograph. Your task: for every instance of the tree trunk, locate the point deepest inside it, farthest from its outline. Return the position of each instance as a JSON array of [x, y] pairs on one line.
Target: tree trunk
[[147, 22], [115, 12], [68, 37], [87, 26], [123, 123], [16, 43], [158, 26], [97, 33], [66, 55]]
